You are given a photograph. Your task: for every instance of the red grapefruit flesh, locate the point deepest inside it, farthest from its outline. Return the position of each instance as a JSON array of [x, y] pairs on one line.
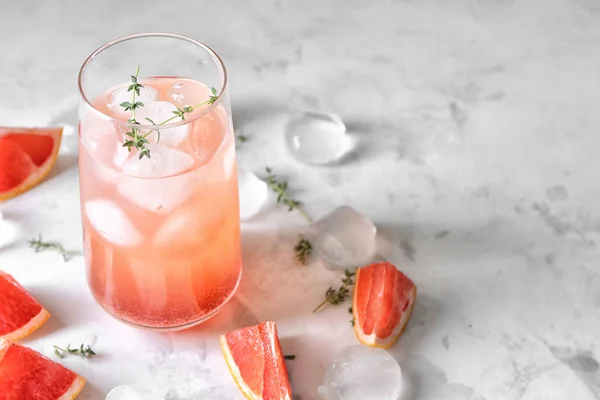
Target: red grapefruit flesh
[[27, 375], [26, 157], [382, 303], [255, 360], [20, 314]]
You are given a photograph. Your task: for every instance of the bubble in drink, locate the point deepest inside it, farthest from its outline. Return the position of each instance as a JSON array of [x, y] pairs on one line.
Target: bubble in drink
[[344, 239], [317, 139], [112, 223], [147, 95], [253, 193], [158, 112], [362, 372]]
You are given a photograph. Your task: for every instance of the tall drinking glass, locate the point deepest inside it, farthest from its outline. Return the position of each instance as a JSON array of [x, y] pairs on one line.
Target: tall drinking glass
[[158, 181]]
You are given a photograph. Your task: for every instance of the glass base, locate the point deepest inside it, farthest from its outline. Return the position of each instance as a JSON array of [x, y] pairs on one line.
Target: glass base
[[173, 328]]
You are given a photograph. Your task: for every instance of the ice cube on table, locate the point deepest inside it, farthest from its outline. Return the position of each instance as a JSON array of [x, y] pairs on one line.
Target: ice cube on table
[[158, 112], [137, 392], [123, 393], [112, 223], [147, 95], [317, 139], [344, 239], [362, 372], [253, 193]]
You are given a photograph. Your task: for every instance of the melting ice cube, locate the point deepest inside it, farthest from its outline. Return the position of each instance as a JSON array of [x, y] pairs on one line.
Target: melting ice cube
[[103, 139], [318, 139], [186, 92], [361, 372], [147, 95], [253, 194], [344, 239], [158, 112], [163, 162], [158, 183], [112, 223], [188, 226], [124, 393]]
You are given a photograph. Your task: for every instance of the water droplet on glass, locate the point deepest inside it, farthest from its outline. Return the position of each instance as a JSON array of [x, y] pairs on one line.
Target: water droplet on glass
[[361, 372], [253, 193], [344, 239], [318, 139]]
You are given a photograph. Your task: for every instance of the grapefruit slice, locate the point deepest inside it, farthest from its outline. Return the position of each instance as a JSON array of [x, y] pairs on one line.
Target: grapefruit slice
[[26, 374], [254, 358], [20, 314], [26, 157], [382, 303]]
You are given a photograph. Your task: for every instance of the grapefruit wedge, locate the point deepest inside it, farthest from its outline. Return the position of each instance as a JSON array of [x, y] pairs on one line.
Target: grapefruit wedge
[[20, 314], [26, 374], [254, 358], [26, 157], [382, 302]]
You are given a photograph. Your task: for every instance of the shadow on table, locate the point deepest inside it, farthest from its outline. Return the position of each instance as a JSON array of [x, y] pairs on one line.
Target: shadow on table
[[64, 163], [269, 289], [90, 392], [276, 287]]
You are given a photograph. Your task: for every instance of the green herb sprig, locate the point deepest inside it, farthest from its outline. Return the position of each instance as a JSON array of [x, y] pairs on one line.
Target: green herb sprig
[[289, 357], [39, 245], [280, 188], [303, 250], [138, 140], [338, 296], [82, 351]]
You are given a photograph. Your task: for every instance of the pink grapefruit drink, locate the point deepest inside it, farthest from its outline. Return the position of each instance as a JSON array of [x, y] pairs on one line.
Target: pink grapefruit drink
[[161, 233]]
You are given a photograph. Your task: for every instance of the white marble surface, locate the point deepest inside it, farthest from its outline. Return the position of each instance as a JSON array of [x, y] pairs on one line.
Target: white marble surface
[[478, 122]]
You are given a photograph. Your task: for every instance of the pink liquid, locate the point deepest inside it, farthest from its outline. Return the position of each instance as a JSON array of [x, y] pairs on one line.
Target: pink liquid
[[162, 235]]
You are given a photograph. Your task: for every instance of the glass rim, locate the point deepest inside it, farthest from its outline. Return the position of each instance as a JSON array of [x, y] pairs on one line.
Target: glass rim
[[121, 39]]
